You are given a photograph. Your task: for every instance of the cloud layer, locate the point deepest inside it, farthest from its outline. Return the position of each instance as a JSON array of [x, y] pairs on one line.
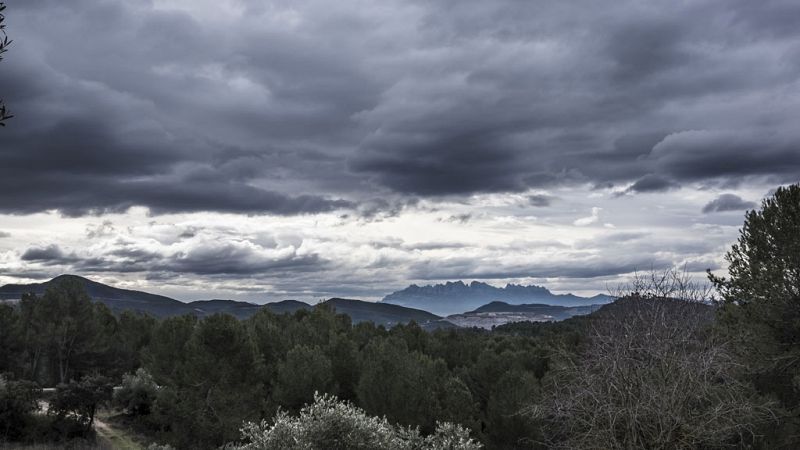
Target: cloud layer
[[545, 121]]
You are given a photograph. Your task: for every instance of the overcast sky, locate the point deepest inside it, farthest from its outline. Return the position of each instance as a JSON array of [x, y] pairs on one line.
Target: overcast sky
[[261, 150]]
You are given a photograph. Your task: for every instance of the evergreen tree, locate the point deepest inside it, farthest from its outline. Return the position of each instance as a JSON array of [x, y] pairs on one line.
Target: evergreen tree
[[761, 299], [404, 386], [11, 343], [66, 331], [305, 371], [213, 387]]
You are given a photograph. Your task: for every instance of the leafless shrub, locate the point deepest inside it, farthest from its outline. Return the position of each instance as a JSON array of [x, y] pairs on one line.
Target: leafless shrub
[[653, 375]]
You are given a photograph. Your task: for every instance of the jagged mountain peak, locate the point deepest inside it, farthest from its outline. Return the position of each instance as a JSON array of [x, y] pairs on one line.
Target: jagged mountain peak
[[454, 297]]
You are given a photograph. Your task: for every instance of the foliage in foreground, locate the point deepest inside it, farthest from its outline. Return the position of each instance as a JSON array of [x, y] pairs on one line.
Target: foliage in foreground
[[330, 424]]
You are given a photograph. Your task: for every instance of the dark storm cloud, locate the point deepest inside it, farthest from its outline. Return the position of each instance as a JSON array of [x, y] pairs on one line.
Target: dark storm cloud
[[698, 155], [237, 261], [232, 259], [728, 202], [4, 234], [49, 255], [307, 108], [521, 128], [651, 183]]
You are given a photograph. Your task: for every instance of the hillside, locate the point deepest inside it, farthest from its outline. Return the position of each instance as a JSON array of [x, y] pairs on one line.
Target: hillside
[[379, 313], [116, 299], [458, 297], [241, 310]]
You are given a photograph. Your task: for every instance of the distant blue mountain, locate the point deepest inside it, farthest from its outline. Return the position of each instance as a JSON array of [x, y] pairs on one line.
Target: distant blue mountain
[[458, 297]]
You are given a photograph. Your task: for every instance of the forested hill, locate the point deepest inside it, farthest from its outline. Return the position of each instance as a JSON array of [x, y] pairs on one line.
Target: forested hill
[[116, 299], [119, 300], [458, 297]]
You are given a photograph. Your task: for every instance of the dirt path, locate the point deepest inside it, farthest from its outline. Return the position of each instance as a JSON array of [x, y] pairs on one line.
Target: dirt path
[[106, 434], [113, 437]]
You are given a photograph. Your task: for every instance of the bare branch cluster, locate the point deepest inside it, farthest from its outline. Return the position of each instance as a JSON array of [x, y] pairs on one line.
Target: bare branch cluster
[[653, 375], [673, 283]]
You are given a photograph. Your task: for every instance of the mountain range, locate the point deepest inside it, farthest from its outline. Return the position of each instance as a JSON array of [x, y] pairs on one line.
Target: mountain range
[[119, 300], [458, 297], [426, 305]]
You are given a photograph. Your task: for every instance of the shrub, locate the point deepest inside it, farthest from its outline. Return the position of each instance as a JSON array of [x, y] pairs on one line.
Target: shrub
[[17, 406], [77, 401], [330, 424]]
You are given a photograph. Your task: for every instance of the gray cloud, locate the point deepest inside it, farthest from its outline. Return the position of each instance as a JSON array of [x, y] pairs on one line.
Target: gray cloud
[[100, 230], [540, 200], [728, 202], [457, 218]]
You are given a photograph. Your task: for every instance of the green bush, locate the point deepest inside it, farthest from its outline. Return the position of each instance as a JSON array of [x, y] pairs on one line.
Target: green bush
[[137, 394]]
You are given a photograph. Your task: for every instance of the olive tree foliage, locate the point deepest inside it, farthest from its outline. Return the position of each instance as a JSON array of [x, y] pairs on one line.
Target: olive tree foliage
[[652, 374], [331, 424], [4, 43]]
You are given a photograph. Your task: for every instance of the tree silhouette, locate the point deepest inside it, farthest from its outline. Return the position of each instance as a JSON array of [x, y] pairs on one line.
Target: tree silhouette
[[4, 43]]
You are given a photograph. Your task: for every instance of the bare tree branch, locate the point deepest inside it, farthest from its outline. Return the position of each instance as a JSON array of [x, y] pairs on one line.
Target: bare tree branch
[[5, 114]]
